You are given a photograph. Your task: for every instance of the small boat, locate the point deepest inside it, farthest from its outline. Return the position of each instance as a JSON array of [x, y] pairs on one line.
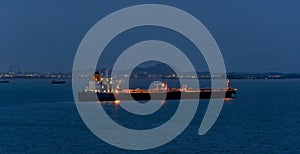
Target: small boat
[[6, 81], [58, 82]]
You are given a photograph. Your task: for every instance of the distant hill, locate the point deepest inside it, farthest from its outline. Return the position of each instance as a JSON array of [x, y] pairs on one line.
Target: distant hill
[[157, 69]]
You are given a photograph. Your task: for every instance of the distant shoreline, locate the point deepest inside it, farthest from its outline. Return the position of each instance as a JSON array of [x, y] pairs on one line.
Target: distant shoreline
[[145, 79], [155, 75]]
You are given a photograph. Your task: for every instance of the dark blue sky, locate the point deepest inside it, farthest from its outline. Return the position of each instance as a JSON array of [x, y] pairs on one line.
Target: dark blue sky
[[254, 36]]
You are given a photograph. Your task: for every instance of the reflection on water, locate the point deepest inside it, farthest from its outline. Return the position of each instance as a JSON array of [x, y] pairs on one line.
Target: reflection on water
[[117, 102], [226, 100]]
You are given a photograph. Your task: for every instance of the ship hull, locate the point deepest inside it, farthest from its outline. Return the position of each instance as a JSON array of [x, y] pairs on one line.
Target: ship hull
[[170, 95]]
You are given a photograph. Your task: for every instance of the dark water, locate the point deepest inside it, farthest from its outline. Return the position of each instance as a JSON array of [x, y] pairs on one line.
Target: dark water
[[37, 117]]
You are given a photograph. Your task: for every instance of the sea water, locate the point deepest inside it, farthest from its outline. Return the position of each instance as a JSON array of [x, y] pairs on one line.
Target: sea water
[[38, 117]]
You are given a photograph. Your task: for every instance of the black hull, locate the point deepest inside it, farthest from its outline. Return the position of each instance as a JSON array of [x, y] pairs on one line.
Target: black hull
[[171, 95], [4, 81], [58, 82]]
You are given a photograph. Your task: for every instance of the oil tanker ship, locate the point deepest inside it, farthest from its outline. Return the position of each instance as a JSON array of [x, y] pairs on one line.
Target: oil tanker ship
[[101, 89]]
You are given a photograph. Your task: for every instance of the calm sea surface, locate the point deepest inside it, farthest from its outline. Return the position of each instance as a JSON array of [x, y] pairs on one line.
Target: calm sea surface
[[37, 117]]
